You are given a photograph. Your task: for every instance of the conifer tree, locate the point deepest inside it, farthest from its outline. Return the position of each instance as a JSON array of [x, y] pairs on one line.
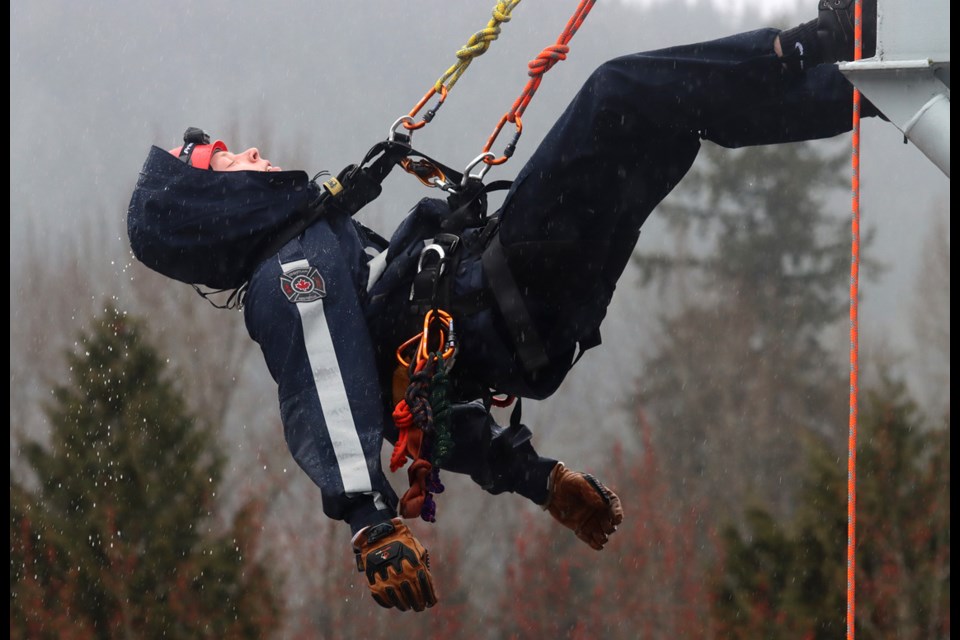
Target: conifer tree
[[789, 580], [117, 535], [741, 368]]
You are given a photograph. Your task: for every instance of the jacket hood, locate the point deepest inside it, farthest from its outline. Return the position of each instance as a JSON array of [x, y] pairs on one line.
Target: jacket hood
[[207, 227]]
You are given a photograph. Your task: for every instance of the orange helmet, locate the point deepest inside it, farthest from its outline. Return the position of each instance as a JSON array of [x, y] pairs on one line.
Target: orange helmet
[[197, 150]]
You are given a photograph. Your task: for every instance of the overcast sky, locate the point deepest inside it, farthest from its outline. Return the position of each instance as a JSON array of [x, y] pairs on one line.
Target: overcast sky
[[93, 85]]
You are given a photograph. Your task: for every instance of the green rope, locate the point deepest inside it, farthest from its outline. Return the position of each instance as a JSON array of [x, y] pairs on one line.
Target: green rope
[[440, 402]]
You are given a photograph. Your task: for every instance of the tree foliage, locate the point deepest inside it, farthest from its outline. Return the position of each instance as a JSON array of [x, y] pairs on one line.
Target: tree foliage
[[117, 535], [743, 366], [789, 580], [646, 583]]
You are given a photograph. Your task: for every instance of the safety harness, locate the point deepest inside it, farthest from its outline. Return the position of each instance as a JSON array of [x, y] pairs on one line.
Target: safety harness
[[420, 413], [421, 380]]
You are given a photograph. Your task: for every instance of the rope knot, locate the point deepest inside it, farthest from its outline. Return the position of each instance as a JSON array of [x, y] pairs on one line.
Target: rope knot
[[501, 12], [547, 58], [478, 44]]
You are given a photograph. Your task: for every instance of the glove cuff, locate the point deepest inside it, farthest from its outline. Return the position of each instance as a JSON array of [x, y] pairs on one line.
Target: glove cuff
[[555, 473]]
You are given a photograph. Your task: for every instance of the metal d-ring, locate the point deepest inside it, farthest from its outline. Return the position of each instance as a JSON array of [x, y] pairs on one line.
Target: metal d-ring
[[431, 247], [478, 160], [396, 125]]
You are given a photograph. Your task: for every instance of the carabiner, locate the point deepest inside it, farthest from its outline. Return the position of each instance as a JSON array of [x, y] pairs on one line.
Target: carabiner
[[448, 349], [428, 116], [518, 123], [480, 159]]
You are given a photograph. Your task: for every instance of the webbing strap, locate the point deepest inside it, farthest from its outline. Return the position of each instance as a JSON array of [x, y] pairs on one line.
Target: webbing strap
[[357, 186], [513, 308], [468, 207]]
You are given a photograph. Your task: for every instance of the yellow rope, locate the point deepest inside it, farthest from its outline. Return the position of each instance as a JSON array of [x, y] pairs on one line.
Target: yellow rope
[[477, 45]]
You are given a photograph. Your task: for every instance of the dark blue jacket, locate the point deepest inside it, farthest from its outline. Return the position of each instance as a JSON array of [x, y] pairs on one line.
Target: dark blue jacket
[[328, 309]]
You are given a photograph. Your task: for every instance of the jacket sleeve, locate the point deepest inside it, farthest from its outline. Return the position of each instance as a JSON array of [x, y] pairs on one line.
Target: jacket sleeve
[[302, 308]]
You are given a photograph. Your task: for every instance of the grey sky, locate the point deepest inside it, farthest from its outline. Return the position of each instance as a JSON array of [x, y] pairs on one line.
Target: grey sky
[[93, 85]]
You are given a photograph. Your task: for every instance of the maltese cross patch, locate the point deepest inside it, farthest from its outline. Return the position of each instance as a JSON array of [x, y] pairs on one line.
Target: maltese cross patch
[[303, 285]]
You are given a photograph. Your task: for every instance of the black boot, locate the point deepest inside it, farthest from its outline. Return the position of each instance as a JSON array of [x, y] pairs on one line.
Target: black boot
[[835, 23], [829, 38]]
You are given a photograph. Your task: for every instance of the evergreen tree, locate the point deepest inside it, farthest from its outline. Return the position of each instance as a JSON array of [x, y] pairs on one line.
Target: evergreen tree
[[741, 369], [116, 538], [790, 581]]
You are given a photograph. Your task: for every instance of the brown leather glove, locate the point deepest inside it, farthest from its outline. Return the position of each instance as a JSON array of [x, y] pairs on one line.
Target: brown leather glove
[[396, 565], [583, 504]]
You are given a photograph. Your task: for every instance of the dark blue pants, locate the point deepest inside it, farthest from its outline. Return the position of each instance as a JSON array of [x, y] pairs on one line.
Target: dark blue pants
[[624, 142], [573, 216]]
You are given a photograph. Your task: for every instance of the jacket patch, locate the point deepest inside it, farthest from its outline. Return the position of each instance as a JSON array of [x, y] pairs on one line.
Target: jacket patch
[[303, 285]]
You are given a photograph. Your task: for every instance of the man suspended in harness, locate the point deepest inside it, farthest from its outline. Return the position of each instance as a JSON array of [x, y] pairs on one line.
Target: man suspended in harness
[[504, 304]]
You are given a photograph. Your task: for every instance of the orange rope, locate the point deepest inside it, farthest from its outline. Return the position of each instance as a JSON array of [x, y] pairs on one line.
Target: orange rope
[[550, 56], [403, 418], [854, 337]]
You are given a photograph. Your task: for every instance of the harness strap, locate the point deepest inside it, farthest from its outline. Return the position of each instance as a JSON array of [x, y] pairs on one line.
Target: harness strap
[[441, 257], [353, 188], [512, 307], [469, 205], [361, 184]]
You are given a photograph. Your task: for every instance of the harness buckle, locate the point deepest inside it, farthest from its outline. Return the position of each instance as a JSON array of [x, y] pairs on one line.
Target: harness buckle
[[430, 269], [404, 138], [427, 249], [473, 163]]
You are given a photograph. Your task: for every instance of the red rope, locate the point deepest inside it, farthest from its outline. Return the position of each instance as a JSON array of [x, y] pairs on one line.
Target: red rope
[[550, 56], [403, 418], [854, 338]]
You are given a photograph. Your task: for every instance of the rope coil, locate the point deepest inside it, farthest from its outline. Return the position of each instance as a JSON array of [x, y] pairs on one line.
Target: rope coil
[[423, 415]]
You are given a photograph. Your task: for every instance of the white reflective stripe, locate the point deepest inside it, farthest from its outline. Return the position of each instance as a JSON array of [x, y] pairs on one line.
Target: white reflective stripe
[[376, 265], [297, 264], [333, 398]]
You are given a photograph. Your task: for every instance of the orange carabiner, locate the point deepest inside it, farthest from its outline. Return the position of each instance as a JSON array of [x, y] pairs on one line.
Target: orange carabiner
[[496, 132], [444, 319], [403, 347], [422, 353], [410, 126]]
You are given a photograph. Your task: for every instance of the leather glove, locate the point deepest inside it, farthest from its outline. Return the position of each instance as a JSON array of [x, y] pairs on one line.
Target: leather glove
[[583, 504], [397, 566]]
